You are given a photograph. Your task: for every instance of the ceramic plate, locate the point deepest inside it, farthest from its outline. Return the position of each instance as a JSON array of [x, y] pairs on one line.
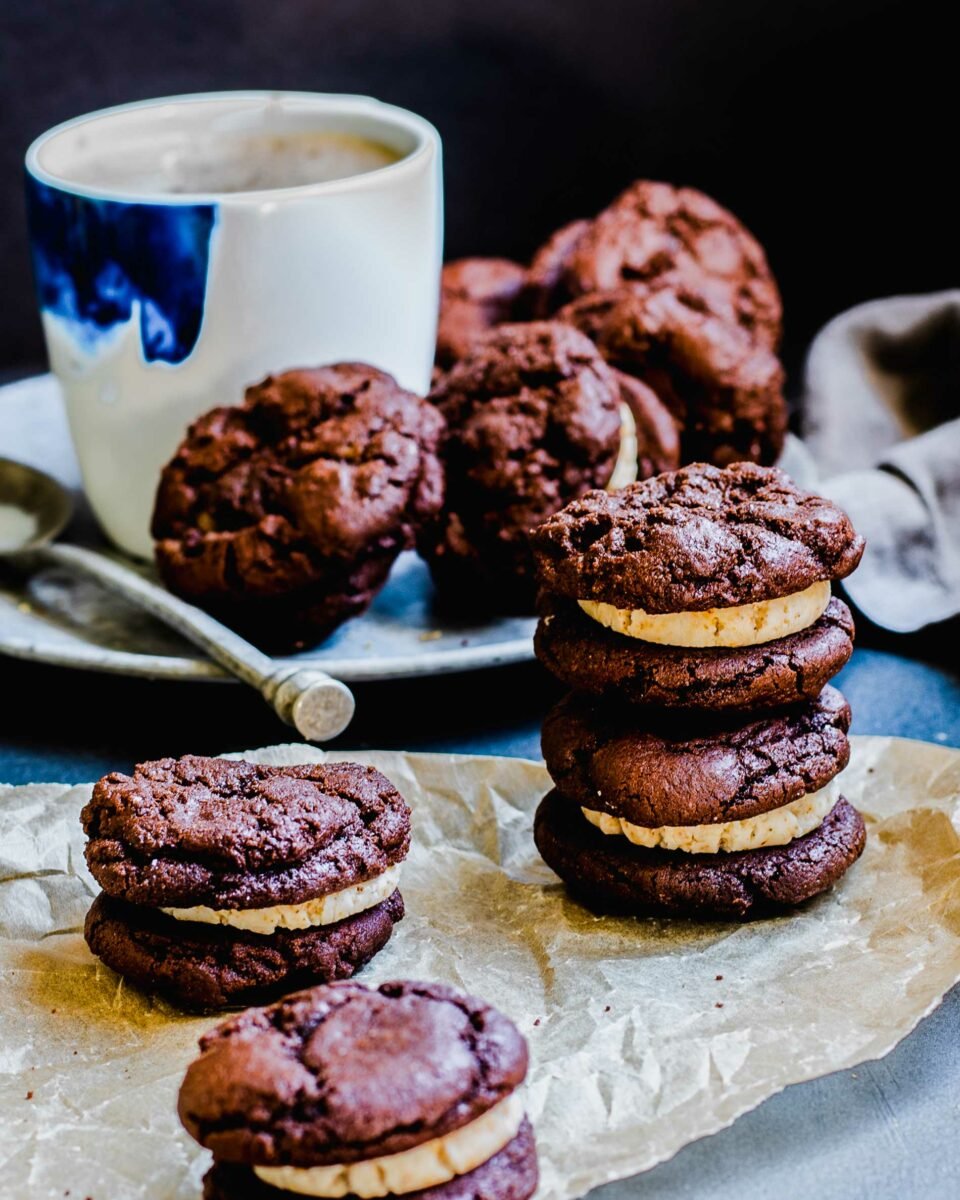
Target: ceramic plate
[[56, 617]]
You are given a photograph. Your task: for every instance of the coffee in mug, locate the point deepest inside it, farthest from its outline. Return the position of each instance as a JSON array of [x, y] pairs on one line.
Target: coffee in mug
[[230, 163]]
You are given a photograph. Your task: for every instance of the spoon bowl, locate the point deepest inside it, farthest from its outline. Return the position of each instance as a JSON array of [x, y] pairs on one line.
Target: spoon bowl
[[34, 508]]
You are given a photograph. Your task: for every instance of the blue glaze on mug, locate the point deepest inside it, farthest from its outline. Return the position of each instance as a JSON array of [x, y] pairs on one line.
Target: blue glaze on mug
[[93, 260]]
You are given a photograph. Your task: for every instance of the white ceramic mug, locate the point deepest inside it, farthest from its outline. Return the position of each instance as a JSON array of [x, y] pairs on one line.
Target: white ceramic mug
[[157, 306]]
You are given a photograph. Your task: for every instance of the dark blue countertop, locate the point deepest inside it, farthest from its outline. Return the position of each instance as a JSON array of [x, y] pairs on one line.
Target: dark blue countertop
[[72, 726]]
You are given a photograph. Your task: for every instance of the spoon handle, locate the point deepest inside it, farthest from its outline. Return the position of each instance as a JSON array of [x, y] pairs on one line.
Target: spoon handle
[[318, 706]]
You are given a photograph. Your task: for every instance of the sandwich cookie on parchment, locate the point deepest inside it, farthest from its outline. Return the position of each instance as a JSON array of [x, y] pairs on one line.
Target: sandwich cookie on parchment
[[406, 1090], [648, 817], [225, 883], [703, 589]]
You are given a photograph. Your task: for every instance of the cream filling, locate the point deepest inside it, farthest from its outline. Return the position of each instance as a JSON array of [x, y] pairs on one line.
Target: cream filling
[[322, 910], [741, 625], [434, 1162], [774, 828], [625, 468]]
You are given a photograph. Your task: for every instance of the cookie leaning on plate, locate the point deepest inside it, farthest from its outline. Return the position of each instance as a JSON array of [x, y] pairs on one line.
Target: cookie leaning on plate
[[283, 516], [230, 882], [652, 817], [702, 589], [409, 1089]]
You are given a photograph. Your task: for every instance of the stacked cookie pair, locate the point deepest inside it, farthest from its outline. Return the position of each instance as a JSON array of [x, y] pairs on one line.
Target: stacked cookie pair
[[228, 883], [692, 616]]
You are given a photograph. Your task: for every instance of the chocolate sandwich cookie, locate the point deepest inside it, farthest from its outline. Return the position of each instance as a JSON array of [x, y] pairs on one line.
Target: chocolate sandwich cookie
[[585, 655], [229, 882], [476, 295], [609, 875], [677, 238], [724, 390], [729, 565], [646, 817], [533, 420], [657, 773], [409, 1089], [283, 516]]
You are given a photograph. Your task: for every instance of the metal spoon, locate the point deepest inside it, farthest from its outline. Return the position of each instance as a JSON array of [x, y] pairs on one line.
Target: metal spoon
[[318, 706]]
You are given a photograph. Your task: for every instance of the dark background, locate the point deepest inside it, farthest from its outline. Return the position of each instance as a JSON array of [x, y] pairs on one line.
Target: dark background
[[828, 125]]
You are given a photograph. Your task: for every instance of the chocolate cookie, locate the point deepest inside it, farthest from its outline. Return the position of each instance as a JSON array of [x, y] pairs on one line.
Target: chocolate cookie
[[622, 761], [697, 539], [724, 389], [476, 294], [678, 238], [205, 967], [546, 288], [533, 420], [611, 875], [657, 433], [588, 657], [283, 516], [228, 879], [366, 1083]]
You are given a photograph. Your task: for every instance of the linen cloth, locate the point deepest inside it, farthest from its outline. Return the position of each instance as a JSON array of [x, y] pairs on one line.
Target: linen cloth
[[881, 417]]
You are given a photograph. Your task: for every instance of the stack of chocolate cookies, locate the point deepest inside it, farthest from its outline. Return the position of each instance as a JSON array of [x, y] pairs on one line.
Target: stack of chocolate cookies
[[691, 615]]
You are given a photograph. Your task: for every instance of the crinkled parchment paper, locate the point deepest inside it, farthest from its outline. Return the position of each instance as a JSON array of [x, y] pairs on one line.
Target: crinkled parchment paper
[[644, 1034]]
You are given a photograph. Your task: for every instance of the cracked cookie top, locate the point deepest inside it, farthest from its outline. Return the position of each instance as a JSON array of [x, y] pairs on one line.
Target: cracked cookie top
[[188, 831], [665, 236], [702, 537], [345, 1073], [652, 772]]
